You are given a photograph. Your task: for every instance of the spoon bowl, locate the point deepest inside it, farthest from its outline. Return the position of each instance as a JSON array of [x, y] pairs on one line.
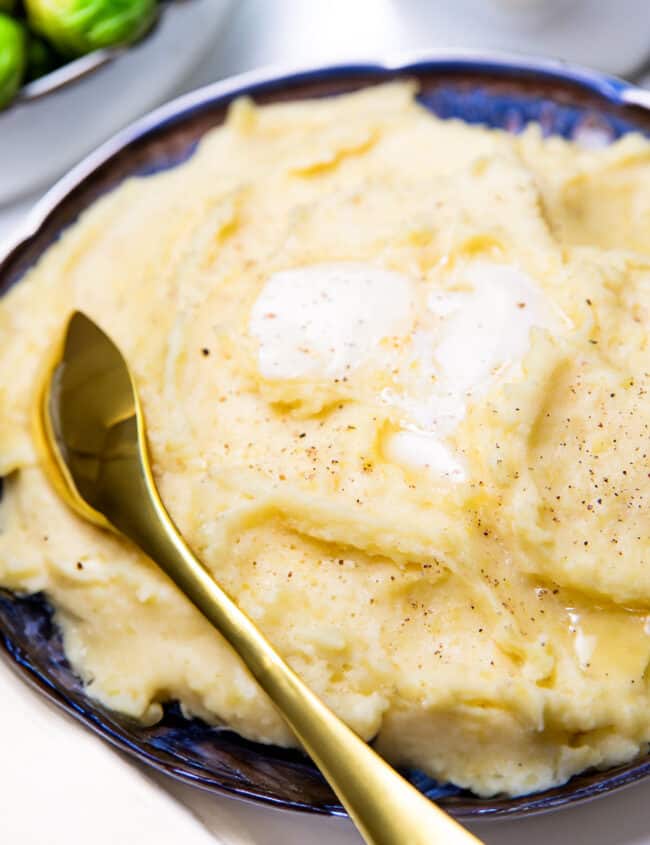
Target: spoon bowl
[[91, 431], [88, 368]]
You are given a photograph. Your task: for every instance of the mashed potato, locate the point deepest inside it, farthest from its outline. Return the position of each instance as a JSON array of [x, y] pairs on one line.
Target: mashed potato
[[395, 376]]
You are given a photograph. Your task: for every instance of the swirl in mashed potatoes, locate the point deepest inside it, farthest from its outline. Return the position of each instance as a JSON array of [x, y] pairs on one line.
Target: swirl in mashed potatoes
[[395, 374]]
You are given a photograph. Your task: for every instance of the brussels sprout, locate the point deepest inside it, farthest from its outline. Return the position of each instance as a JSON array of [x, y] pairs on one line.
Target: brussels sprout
[[12, 58], [75, 27], [41, 59]]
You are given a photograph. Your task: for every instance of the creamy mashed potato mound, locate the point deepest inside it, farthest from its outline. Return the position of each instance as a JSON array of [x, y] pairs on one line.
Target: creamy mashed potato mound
[[394, 371]]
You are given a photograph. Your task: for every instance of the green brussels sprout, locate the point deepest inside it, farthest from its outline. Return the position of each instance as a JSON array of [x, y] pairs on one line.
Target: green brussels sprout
[[12, 58], [41, 59], [76, 27]]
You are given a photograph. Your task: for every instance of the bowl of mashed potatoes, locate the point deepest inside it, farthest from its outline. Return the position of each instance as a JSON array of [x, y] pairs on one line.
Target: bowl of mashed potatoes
[[390, 329]]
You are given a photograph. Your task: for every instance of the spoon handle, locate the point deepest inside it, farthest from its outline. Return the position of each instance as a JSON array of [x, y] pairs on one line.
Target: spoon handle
[[385, 807]]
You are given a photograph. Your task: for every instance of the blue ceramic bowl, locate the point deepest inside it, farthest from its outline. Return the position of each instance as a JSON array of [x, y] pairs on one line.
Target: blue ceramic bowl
[[494, 90]]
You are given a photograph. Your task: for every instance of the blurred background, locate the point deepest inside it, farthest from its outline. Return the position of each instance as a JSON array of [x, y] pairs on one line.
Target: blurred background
[[199, 41], [611, 36]]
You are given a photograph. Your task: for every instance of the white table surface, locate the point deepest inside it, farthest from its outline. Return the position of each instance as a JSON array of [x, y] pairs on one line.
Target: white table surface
[[59, 784]]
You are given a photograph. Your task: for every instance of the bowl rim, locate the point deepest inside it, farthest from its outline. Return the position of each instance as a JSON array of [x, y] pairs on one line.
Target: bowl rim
[[610, 89]]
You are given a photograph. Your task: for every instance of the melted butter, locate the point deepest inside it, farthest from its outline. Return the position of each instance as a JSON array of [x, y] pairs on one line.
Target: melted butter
[[414, 448], [486, 327], [584, 644], [474, 334], [612, 643], [325, 319]]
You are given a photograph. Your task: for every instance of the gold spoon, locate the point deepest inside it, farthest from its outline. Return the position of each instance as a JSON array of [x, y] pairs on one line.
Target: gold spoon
[[92, 437]]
